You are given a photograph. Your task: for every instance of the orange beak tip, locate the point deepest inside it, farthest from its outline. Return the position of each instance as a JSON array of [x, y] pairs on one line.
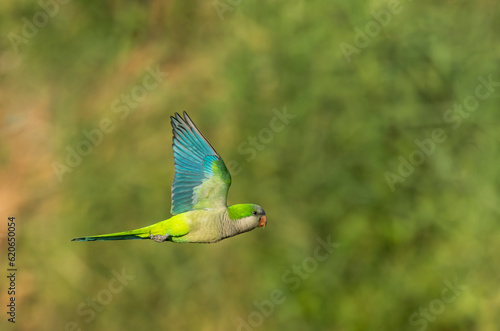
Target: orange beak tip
[[262, 222]]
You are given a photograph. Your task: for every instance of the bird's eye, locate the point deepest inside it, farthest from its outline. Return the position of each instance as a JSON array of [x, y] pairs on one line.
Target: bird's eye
[[254, 213]]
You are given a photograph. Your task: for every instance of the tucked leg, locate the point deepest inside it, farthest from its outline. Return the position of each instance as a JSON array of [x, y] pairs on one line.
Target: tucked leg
[[158, 237]]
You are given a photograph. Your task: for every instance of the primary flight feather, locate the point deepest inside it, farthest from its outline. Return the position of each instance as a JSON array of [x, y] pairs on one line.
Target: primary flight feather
[[199, 196]]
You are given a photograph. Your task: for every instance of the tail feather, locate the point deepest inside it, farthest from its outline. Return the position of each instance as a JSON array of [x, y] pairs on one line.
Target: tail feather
[[142, 233], [175, 227], [100, 238]]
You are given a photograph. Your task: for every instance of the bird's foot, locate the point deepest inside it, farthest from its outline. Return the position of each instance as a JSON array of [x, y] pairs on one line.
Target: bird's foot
[[158, 237]]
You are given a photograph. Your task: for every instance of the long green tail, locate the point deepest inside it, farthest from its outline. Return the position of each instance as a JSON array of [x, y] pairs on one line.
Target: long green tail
[[142, 233]]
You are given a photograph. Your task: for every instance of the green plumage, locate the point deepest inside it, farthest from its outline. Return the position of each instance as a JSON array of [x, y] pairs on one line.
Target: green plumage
[[243, 210]]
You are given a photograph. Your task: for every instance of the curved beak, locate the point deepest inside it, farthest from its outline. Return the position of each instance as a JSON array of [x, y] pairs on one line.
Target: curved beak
[[262, 221]]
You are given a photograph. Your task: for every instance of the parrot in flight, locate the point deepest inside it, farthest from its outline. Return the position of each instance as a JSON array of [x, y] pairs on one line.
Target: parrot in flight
[[199, 196]]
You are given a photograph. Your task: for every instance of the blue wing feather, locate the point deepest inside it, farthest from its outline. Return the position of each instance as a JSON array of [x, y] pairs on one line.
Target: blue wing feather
[[196, 185]]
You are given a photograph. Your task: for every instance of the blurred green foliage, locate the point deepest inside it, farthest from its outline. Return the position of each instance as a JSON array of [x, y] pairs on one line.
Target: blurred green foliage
[[322, 176]]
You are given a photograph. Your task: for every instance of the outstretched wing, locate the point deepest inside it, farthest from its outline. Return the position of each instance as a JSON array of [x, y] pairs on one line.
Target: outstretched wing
[[201, 179]]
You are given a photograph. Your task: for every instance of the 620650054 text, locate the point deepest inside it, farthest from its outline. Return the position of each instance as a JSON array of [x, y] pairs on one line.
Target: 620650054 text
[[11, 269]]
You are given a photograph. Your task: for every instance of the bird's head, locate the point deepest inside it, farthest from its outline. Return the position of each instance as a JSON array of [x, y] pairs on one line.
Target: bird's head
[[249, 216]]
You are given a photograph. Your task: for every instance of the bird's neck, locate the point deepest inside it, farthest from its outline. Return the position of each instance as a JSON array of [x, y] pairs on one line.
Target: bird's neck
[[231, 227]]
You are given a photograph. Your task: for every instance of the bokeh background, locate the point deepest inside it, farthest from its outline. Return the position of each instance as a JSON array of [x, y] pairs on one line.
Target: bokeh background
[[320, 174]]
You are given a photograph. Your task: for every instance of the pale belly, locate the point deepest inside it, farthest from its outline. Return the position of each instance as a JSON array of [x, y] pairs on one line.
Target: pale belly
[[204, 227]]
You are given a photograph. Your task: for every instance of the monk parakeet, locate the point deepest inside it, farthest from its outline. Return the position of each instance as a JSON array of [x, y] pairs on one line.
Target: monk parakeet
[[199, 196]]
